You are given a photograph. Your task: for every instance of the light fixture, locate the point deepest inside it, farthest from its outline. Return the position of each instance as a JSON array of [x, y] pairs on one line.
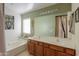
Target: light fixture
[[48, 12]]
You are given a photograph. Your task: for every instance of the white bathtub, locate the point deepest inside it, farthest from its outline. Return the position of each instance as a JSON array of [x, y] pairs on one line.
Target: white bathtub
[[16, 47]]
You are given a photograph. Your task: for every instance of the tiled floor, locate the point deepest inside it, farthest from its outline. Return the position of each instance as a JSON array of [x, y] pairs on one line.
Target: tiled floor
[[24, 53]]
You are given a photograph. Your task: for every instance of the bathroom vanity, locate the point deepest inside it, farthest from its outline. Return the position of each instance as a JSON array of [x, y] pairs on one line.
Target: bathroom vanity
[[37, 47]]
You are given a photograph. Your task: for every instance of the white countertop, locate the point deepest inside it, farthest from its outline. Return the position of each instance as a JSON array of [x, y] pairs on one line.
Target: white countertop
[[64, 42]]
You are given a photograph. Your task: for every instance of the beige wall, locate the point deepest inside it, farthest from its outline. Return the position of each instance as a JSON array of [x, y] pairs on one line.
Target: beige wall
[[76, 36]]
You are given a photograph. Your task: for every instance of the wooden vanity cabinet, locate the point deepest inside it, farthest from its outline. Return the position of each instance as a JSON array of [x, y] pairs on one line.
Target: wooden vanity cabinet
[[39, 49], [31, 47], [35, 48], [49, 52], [61, 54], [70, 51], [44, 49], [57, 48]]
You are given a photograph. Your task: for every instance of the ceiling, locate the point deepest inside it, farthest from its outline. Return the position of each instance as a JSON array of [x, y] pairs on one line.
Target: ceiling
[[19, 8]]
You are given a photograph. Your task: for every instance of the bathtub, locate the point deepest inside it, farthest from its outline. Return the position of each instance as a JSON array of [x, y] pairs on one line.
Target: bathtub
[[14, 48]]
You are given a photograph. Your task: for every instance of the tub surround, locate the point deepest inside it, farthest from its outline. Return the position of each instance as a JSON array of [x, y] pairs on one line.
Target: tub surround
[[16, 47], [16, 51], [15, 44]]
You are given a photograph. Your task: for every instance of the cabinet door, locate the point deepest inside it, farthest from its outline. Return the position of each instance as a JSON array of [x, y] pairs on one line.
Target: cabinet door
[[39, 50], [49, 52], [62, 54], [31, 48], [70, 51]]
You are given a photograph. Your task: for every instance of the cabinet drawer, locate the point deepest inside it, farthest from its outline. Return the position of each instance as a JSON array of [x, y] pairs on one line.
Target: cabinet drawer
[[49, 52], [40, 43], [58, 48], [70, 51], [35, 42], [31, 41], [62, 54], [46, 45]]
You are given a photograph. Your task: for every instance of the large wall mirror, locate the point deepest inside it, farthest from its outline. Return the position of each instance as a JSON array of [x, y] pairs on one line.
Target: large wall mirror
[[44, 25], [52, 25]]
